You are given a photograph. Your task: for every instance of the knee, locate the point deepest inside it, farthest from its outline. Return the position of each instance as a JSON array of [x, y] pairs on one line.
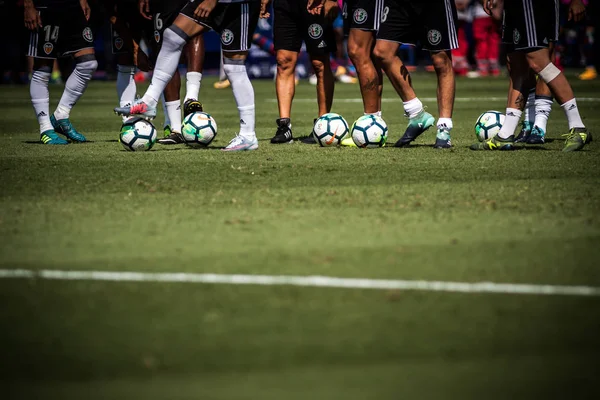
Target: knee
[[442, 62], [535, 63], [382, 55], [86, 64], [285, 63], [357, 53], [319, 66]]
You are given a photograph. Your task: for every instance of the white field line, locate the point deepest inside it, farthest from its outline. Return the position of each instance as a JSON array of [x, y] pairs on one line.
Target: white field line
[[303, 281], [427, 99]]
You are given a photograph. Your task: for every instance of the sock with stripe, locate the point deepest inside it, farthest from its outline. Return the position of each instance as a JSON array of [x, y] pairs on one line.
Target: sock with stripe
[[40, 98]]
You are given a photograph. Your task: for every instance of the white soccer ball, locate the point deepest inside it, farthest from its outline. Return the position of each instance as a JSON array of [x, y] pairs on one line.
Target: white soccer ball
[[330, 129], [199, 129], [369, 131], [137, 134], [488, 125]]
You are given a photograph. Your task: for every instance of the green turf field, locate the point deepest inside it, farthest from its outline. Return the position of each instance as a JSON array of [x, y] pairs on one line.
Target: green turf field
[[528, 216]]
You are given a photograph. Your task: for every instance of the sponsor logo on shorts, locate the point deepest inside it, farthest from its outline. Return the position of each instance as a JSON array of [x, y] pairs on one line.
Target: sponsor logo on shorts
[[315, 31], [227, 37], [516, 36], [118, 43], [87, 35], [157, 36], [360, 16], [48, 47], [322, 45], [434, 37]]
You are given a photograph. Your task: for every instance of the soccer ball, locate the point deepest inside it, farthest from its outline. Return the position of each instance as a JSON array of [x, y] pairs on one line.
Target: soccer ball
[[199, 129], [369, 131], [488, 125], [137, 134], [330, 129]]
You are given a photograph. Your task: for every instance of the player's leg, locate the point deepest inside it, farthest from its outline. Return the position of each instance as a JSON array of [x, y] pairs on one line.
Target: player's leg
[[193, 77], [172, 109], [174, 39], [85, 66], [539, 62], [287, 41], [325, 82], [446, 89], [239, 21], [360, 49], [40, 99], [542, 107]]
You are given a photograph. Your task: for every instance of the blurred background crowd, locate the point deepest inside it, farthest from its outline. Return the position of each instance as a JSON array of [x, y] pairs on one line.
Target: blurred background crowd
[[480, 52]]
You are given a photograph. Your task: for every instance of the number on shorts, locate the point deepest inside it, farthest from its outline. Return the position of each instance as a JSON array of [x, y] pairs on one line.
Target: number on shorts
[[51, 34], [386, 10], [158, 22]]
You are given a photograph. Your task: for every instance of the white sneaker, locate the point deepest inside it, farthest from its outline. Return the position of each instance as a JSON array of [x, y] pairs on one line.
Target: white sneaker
[[242, 143]]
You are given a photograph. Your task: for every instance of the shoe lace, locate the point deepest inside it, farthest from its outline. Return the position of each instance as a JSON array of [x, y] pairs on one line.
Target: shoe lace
[[572, 134]]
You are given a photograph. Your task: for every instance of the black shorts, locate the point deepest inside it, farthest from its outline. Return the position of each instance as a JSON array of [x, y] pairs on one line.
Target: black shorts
[[235, 22], [139, 27], [432, 23], [64, 31], [363, 14], [163, 16], [293, 25], [530, 24]]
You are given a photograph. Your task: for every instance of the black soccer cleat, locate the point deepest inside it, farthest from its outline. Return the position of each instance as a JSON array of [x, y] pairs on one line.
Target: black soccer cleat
[[416, 126], [191, 106], [284, 132], [310, 139], [173, 138]]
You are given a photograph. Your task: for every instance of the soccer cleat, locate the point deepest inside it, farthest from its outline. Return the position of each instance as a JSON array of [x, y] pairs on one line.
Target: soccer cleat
[[64, 127], [241, 143], [173, 138], [167, 131], [576, 139], [191, 106], [537, 136], [589, 74], [310, 139], [348, 142], [222, 84], [139, 108], [442, 139], [50, 137], [284, 132], [495, 143], [416, 126], [526, 128]]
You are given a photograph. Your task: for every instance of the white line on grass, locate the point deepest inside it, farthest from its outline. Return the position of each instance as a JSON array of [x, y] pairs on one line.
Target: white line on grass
[[304, 281]]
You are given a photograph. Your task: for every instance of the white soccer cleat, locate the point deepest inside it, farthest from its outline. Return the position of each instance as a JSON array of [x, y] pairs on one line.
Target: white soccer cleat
[[241, 143]]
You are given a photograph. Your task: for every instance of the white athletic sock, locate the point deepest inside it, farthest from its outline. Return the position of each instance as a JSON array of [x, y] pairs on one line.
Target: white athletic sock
[[40, 98], [243, 92], [126, 88], [572, 113], [543, 106], [174, 112], [164, 108], [192, 85], [166, 65], [529, 112], [511, 121], [445, 122], [413, 107], [74, 87], [222, 75], [378, 113]]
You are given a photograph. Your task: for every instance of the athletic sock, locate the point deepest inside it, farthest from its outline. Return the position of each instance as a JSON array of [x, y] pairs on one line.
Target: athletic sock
[[173, 110], [40, 98], [126, 88], [413, 107], [543, 106], [243, 92], [529, 112], [164, 108], [76, 85], [572, 113], [166, 65], [445, 123], [511, 121], [192, 85]]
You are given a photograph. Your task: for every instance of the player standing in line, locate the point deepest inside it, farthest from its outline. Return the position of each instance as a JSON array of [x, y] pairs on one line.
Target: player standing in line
[[539, 101], [433, 23], [235, 21], [529, 26], [293, 24], [59, 28]]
